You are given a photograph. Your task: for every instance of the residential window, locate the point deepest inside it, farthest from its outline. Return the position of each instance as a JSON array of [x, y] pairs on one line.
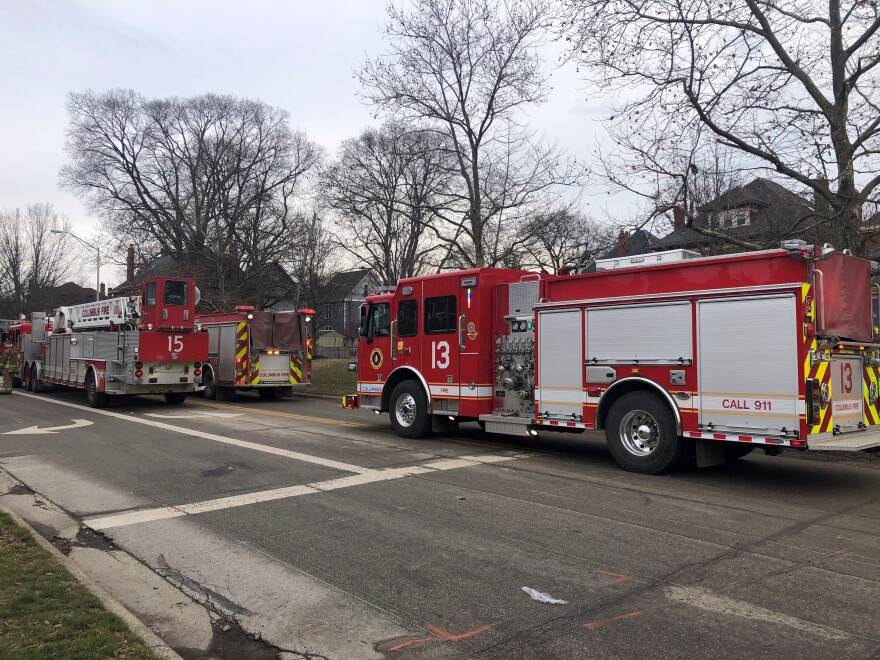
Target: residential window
[[728, 219], [408, 318], [440, 315], [379, 320], [741, 217], [328, 310]]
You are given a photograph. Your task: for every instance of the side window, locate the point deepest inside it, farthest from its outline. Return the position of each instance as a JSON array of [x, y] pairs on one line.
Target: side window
[[150, 297], [380, 320], [408, 318], [175, 292], [440, 315]]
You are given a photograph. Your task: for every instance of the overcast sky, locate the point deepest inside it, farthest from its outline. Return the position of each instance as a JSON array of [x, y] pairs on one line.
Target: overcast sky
[[298, 55]]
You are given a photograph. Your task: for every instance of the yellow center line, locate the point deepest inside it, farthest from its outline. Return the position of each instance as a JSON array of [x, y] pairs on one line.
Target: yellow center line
[[262, 411]]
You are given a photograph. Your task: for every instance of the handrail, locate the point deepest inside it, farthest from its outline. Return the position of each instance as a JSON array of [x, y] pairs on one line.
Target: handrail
[[461, 326], [393, 329], [820, 299]]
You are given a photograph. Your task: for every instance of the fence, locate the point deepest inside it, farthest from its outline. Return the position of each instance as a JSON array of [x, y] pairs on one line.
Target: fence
[[336, 352]]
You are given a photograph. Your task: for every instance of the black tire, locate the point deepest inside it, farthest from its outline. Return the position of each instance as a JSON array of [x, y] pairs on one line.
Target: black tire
[[735, 450], [210, 390], [28, 378], [641, 435], [409, 411], [175, 398], [268, 393], [36, 385], [95, 398]]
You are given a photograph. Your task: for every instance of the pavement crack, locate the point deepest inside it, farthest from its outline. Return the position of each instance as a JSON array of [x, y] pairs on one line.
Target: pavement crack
[[212, 599]]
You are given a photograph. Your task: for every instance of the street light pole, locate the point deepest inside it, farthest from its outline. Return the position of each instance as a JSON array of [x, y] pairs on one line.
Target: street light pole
[[97, 253]]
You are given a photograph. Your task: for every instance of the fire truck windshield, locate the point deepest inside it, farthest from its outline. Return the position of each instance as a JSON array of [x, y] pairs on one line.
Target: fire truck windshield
[[175, 292]]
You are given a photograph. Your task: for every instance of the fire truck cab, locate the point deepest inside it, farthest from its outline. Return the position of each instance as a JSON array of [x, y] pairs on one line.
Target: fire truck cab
[[674, 356]]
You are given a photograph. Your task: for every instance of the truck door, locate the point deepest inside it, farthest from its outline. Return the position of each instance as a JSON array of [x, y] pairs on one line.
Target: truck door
[[440, 348], [377, 342]]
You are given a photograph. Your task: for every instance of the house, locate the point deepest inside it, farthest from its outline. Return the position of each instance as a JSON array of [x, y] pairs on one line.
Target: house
[[341, 299], [761, 211]]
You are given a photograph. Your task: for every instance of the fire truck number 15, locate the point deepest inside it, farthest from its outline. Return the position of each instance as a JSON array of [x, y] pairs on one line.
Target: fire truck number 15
[[175, 343]]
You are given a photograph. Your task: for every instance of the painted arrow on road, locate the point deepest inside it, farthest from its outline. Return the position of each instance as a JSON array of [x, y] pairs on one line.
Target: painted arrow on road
[[190, 415], [36, 430]]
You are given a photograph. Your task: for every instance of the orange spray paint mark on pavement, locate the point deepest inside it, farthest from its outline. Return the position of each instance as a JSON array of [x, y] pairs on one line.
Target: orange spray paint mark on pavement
[[440, 635], [592, 625], [620, 578]]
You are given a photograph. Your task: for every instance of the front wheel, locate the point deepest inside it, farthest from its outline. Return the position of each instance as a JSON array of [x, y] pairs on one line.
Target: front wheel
[[409, 411], [95, 397], [175, 398], [641, 435], [36, 386]]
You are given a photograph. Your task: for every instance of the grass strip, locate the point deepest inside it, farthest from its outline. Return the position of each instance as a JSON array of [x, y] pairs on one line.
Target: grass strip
[[45, 612], [331, 376]]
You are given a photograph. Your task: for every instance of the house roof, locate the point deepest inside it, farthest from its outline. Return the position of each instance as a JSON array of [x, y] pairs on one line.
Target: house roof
[[758, 192], [680, 238], [640, 242], [341, 285]]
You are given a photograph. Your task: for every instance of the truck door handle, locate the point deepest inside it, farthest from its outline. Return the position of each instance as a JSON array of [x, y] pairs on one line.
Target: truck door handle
[[461, 320]]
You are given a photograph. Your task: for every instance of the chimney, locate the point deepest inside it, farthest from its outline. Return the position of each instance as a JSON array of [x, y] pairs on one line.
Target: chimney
[[623, 243], [129, 264], [820, 204], [678, 218], [103, 291]]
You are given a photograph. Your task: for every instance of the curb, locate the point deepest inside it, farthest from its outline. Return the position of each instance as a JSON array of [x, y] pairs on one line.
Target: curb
[[328, 397], [153, 642]]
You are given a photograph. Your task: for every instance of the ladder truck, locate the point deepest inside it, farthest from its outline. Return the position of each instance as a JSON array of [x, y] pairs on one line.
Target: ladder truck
[[130, 345], [674, 356], [266, 351]]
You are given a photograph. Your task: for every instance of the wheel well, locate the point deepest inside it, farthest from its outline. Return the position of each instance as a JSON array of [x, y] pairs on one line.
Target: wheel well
[[395, 379], [91, 371], [206, 369], [627, 385]]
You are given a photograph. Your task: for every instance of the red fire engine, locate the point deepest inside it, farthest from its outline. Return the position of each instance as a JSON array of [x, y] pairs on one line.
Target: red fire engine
[[129, 345], [267, 351], [670, 355]]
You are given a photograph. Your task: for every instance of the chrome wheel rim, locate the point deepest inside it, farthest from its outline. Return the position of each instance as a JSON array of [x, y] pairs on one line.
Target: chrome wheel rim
[[405, 410], [639, 433]]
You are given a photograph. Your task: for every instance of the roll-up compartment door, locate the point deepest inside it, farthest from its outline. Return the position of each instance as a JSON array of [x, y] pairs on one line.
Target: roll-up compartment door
[[560, 364], [653, 333], [226, 356], [748, 364]]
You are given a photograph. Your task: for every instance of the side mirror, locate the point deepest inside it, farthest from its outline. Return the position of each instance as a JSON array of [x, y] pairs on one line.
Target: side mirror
[[383, 332], [362, 331]]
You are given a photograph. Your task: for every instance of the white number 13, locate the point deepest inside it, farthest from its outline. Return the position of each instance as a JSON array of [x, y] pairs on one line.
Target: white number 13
[[440, 354], [175, 343]]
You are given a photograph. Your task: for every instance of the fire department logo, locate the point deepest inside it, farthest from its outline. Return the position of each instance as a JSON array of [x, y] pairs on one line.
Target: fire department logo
[[376, 358], [472, 330]]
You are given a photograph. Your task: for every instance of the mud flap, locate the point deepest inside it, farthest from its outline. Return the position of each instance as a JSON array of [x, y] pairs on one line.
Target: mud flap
[[710, 453]]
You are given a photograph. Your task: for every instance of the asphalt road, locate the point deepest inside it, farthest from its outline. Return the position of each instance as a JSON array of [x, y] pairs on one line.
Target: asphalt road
[[326, 534]]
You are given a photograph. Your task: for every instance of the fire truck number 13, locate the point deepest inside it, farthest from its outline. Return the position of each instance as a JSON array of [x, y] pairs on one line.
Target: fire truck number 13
[[175, 343], [846, 380], [440, 354]]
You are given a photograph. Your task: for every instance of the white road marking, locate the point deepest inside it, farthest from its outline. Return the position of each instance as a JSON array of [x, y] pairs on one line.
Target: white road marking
[[712, 602], [295, 455], [198, 413], [36, 430], [373, 476]]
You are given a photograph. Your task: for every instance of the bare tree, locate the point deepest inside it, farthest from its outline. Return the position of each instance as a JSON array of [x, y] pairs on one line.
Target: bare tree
[[468, 68], [32, 258], [564, 238], [386, 187], [208, 179], [310, 262], [791, 84]]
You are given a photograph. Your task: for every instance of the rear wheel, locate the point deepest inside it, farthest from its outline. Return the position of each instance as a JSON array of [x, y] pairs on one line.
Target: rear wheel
[[409, 411], [36, 385], [95, 397], [268, 393], [175, 397], [28, 378], [641, 435], [210, 386]]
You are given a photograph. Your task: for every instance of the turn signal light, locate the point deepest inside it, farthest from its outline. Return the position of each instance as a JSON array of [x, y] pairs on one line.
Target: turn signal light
[[198, 372], [138, 373], [809, 330]]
